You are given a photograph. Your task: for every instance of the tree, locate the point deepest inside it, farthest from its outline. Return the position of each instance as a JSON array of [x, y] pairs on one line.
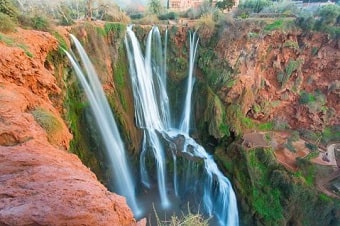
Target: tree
[[155, 7], [7, 7], [225, 4]]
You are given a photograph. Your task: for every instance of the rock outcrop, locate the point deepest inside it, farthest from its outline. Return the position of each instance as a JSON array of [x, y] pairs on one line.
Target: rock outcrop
[[275, 69], [41, 183]]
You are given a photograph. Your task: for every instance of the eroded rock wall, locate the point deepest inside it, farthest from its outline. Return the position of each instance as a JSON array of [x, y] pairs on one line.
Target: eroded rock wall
[[41, 182]]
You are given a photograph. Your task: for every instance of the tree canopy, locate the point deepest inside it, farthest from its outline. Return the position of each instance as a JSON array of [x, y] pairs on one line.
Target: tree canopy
[[225, 4]]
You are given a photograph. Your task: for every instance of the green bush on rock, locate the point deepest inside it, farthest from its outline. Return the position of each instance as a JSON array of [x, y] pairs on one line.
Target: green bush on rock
[[6, 23], [50, 123]]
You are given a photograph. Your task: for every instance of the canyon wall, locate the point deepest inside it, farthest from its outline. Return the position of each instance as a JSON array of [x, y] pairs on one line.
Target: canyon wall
[[42, 183]]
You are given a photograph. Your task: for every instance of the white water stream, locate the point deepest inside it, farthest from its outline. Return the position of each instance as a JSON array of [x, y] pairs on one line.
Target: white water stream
[[148, 76]]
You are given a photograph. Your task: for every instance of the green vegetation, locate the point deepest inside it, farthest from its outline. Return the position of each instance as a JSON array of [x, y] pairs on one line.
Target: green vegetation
[[283, 76], [306, 98], [315, 102], [120, 77], [325, 19], [8, 16], [266, 204], [47, 120], [117, 29], [168, 16], [280, 24], [6, 23], [7, 7], [62, 42], [206, 25], [225, 4], [40, 23], [330, 134], [237, 121], [50, 123], [254, 6], [217, 71], [155, 7], [291, 44], [311, 147], [271, 195]]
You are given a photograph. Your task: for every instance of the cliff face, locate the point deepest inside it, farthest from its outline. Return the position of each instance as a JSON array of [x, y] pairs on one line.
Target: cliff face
[[42, 183], [276, 70]]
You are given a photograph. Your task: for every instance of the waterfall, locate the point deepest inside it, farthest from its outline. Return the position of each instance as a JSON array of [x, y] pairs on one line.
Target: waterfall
[[185, 122], [152, 114], [107, 126], [151, 103]]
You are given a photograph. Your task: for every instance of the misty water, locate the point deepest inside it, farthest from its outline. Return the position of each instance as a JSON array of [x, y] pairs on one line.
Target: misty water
[[174, 169]]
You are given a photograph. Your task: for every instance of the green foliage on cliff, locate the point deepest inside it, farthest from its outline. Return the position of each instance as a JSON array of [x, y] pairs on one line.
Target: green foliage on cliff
[[50, 123], [280, 25], [47, 120], [40, 23], [6, 23], [266, 200], [8, 7], [283, 76], [217, 71], [326, 19], [254, 6], [118, 29], [268, 194]]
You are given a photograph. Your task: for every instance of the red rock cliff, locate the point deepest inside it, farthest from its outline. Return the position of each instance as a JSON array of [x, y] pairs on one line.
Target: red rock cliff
[[40, 182]]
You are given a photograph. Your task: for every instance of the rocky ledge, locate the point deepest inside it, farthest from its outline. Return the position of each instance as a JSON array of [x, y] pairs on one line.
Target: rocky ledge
[[41, 183]]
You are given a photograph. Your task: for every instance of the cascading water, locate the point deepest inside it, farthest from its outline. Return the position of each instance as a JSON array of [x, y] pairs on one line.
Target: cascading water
[[107, 126], [148, 95], [153, 116], [185, 122]]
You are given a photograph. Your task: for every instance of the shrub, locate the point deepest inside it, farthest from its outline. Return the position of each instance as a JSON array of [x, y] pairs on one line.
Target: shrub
[[254, 6], [311, 146], [206, 26], [305, 22], [306, 98], [6, 23], [329, 14], [150, 19], [46, 120], [292, 66], [283, 77], [282, 8], [291, 44], [278, 24], [50, 123], [328, 20], [40, 23], [136, 16], [168, 16], [7, 7], [117, 15], [330, 134]]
